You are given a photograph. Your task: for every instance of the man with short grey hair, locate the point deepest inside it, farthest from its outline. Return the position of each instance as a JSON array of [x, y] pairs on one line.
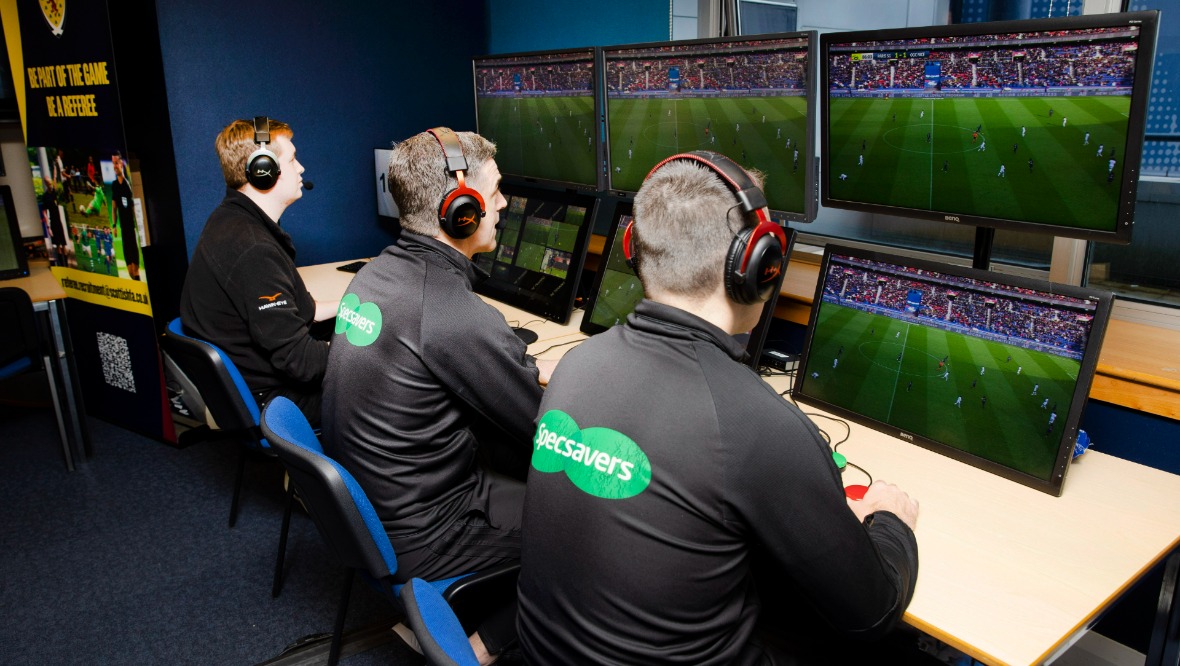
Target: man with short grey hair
[[674, 496], [425, 379]]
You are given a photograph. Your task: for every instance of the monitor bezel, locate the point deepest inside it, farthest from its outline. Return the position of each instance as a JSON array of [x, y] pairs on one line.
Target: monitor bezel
[[18, 246], [1147, 21], [758, 334], [556, 310], [811, 197], [1070, 422], [596, 87], [622, 207]]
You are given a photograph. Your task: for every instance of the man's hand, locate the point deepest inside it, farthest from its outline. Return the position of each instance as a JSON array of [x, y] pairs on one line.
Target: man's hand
[[883, 496]]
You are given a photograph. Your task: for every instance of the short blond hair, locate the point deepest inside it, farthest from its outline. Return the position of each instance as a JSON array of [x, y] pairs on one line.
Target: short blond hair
[[418, 177], [235, 144]]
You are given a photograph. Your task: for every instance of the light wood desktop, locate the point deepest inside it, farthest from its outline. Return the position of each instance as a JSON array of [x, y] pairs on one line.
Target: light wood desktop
[[49, 300], [1007, 574], [328, 285]]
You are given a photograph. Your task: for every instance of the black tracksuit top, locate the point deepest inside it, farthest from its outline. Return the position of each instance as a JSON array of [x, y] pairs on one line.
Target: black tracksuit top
[[244, 294], [619, 570], [421, 361]]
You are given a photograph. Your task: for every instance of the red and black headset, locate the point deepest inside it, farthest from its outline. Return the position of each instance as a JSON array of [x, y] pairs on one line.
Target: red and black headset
[[461, 208], [755, 257]]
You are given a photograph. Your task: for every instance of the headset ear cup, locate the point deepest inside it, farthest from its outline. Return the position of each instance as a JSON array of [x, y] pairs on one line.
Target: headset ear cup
[[754, 284], [262, 169], [460, 213], [736, 284], [629, 255]]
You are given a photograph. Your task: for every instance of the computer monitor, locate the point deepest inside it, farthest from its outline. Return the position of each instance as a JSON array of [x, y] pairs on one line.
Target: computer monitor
[[540, 109], [1025, 125], [617, 289], [992, 370], [542, 239], [751, 98], [13, 263], [386, 208]]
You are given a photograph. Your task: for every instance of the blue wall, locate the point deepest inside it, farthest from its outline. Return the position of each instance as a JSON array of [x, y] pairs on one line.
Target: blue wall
[[348, 77], [532, 25]]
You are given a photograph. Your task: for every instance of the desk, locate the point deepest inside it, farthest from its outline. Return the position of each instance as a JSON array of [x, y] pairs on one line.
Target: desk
[[328, 285], [49, 301], [1008, 574]]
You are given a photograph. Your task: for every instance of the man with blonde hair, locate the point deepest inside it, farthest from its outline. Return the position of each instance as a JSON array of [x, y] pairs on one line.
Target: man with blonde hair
[[674, 495], [243, 292], [425, 381]]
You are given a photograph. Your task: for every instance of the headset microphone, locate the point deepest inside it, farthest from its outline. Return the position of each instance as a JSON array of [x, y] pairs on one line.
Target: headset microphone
[[308, 185]]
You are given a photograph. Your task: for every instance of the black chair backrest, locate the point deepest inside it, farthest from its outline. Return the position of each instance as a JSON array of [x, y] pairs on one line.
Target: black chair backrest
[[216, 377], [337, 503], [18, 330]]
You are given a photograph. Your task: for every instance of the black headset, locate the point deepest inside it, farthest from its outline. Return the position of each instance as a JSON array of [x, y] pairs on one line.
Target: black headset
[[461, 208], [755, 257], [262, 167]]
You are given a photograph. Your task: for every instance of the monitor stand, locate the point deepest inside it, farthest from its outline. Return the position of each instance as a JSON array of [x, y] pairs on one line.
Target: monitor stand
[[526, 336], [984, 238]]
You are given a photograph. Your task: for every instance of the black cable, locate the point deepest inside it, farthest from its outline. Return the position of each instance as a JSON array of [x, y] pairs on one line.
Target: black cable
[[847, 427], [560, 344], [863, 471]]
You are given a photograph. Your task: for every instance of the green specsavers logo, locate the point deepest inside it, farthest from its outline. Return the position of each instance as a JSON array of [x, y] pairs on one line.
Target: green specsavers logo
[[600, 461], [359, 322]]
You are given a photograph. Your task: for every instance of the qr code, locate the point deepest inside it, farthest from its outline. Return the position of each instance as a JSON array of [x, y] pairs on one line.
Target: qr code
[[116, 361]]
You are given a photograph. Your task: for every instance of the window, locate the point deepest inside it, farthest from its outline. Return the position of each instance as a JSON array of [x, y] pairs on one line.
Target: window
[[760, 17], [685, 19]]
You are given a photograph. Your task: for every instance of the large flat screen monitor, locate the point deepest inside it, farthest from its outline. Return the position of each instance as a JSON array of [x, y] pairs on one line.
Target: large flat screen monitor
[[750, 98], [989, 369], [617, 289], [13, 263], [541, 246], [1028, 125], [540, 110]]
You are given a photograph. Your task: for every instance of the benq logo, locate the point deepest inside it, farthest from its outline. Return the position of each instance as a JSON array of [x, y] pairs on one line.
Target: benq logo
[[952, 218], [906, 436]]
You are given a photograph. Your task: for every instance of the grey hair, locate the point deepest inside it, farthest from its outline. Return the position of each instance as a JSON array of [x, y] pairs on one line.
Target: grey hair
[[685, 219], [418, 176]]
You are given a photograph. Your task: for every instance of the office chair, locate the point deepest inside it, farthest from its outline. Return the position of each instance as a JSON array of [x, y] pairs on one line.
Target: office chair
[[439, 633], [21, 352], [233, 410], [348, 522]]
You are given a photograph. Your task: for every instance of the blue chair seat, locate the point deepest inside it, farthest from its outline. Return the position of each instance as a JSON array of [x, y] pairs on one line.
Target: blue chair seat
[[346, 518], [234, 411]]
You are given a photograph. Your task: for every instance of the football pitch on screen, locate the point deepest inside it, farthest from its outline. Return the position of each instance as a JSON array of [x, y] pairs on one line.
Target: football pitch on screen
[[1041, 159], [752, 131], [890, 371], [541, 137]]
